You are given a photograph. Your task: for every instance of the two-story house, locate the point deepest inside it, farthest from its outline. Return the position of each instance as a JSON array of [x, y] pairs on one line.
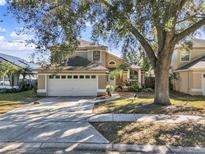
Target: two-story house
[[189, 66], [86, 73]]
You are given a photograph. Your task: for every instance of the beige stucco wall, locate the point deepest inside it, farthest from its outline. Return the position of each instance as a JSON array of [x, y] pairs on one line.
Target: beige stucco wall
[[189, 82], [110, 57], [197, 80], [102, 81], [184, 82], [41, 81]]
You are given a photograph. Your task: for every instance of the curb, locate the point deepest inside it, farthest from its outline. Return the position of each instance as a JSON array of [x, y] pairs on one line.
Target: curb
[[126, 148], [69, 147]]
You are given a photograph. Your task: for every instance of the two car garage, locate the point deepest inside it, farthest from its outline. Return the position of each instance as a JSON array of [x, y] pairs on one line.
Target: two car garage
[[72, 85]]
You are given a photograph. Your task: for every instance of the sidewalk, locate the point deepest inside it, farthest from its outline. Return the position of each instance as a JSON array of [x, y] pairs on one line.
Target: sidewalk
[[146, 118]]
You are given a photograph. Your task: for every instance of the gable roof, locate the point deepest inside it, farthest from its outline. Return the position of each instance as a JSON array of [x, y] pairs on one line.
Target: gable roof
[[17, 61], [196, 64]]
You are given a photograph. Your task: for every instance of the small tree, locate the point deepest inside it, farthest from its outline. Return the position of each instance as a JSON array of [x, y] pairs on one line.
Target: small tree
[[10, 70]]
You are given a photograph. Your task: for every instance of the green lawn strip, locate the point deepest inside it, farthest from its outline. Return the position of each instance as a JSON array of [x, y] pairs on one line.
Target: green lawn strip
[[9, 101], [181, 104], [183, 134]]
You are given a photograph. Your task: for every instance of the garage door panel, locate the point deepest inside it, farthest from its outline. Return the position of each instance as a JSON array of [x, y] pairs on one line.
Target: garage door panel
[[72, 87]]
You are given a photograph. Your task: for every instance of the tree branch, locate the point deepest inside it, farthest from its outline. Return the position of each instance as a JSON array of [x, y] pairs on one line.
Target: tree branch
[[189, 30], [147, 47]]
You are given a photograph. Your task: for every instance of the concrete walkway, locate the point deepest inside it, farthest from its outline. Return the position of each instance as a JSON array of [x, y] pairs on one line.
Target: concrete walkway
[[146, 118]]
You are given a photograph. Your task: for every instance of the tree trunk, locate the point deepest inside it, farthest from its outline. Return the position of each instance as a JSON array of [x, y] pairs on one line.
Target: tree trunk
[[162, 85]]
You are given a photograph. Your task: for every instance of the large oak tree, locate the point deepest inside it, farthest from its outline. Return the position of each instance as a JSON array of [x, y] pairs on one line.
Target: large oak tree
[[156, 25]]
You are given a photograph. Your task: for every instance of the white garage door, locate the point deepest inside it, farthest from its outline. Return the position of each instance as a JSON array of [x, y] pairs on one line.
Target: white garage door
[[72, 85]]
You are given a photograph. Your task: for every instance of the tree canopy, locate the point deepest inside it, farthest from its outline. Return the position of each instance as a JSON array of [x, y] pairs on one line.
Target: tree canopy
[[132, 22]]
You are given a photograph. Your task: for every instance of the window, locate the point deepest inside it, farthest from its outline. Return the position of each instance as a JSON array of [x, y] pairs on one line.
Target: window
[[112, 62], [93, 76], [185, 56], [63, 76], [75, 77], [69, 76], [51, 76], [57, 77], [96, 55], [87, 76], [81, 76]]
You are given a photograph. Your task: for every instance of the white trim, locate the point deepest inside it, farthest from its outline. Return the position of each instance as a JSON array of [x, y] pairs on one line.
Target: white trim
[[196, 90], [139, 77], [101, 90], [97, 77], [41, 91], [46, 82]]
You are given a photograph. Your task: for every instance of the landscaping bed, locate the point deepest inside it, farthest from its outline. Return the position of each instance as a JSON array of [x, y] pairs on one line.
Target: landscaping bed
[[183, 134], [143, 104], [10, 101]]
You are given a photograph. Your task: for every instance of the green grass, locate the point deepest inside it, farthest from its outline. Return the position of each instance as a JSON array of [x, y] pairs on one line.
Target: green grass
[[181, 104], [183, 134], [9, 101]]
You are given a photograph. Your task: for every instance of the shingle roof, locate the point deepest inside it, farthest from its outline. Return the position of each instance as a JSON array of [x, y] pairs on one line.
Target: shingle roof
[[77, 63], [196, 64], [17, 61]]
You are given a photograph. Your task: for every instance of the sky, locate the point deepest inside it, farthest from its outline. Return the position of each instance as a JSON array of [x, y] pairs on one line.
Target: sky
[[14, 43]]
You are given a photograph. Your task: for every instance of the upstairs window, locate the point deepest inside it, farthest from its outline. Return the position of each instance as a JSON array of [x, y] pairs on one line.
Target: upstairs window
[[185, 56], [96, 55]]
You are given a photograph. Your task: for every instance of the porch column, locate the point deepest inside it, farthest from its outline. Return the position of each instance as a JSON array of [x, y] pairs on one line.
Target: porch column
[[128, 75], [139, 78], [3, 81]]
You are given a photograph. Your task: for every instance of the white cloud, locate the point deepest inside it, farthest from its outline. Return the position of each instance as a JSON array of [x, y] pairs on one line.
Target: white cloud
[[2, 38], [2, 2], [2, 29], [15, 45], [20, 36]]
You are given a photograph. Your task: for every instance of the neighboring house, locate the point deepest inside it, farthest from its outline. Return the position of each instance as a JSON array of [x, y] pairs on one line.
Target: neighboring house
[[86, 73], [189, 66], [30, 74]]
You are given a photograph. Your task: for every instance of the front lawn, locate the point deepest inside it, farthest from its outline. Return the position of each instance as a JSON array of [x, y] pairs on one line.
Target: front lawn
[[183, 134], [181, 104], [9, 101]]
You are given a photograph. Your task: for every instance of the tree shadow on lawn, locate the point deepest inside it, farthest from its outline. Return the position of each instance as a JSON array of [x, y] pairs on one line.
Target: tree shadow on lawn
[[146, 108], [183, 134]]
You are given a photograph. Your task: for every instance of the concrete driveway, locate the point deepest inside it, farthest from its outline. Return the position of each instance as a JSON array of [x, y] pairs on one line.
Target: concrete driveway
[[54, 120]]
